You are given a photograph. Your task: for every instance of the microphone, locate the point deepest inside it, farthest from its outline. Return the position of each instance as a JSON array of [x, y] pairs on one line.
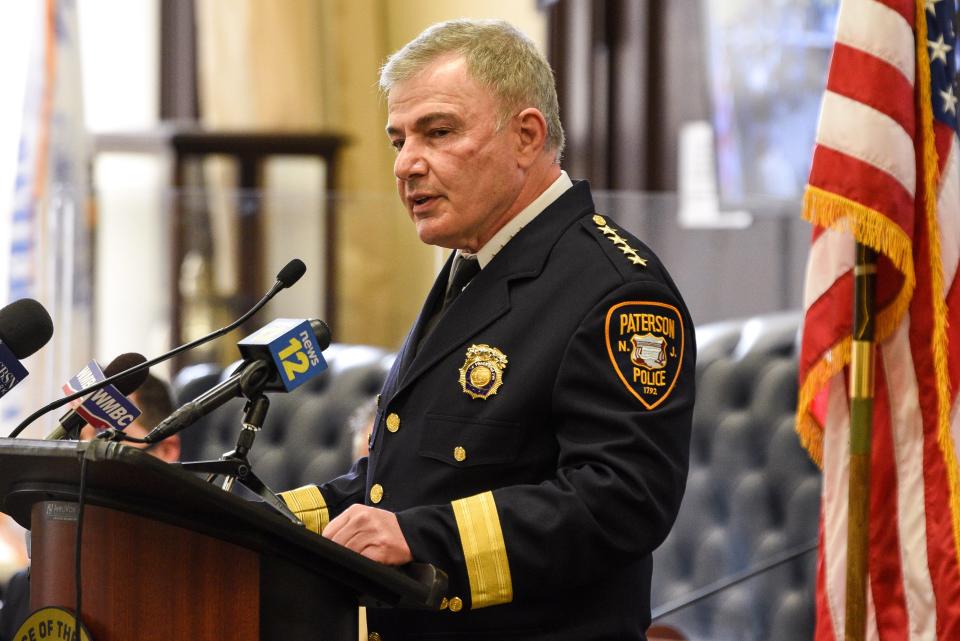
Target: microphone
[[267, 352], [25, 327], [288, 343], [72, 422], [286, 277], [291, 273]]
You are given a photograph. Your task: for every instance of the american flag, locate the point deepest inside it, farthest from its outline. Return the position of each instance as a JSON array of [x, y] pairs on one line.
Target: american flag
[[886, 173]]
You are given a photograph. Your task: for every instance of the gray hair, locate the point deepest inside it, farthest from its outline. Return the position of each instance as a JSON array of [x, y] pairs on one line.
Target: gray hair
[[497, 56]]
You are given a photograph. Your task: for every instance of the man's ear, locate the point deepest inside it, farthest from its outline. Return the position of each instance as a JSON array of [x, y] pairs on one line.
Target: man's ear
[[168, 449], [531, 129]]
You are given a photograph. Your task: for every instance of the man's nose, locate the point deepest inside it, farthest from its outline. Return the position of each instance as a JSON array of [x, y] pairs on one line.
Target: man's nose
[[410, 161]]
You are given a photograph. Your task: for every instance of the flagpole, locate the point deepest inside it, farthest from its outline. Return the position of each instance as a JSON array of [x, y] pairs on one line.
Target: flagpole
[[861, 426]]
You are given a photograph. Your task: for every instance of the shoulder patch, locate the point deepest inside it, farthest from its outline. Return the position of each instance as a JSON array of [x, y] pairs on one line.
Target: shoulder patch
[[618, 241], [645, 342]]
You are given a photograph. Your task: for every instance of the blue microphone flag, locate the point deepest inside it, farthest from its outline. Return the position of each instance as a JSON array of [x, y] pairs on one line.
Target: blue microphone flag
[[293, 347], [106, 407], [11, 371]]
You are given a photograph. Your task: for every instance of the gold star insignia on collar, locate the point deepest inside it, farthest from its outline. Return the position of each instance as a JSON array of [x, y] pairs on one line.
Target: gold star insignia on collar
[[619, 241], [616, 238]]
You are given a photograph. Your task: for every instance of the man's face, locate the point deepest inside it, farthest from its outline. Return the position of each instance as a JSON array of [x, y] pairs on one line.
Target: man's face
[[456, 174]]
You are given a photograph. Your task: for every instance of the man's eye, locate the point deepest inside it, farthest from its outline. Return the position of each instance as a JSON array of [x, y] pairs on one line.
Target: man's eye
[[397, 144], [439, 133]]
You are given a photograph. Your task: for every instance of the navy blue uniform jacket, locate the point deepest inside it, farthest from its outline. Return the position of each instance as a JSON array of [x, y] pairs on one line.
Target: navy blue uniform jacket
[[544, 500]]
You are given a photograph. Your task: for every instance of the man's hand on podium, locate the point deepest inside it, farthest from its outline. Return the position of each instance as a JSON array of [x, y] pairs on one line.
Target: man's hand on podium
[[372, 532]]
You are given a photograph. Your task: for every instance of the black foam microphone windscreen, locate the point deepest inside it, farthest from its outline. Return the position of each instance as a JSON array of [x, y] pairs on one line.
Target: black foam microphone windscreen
[[130, 382], [25, 327], [291, 272]]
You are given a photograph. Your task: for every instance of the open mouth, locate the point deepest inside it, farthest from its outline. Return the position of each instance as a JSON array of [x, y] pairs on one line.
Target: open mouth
[[421, 202]]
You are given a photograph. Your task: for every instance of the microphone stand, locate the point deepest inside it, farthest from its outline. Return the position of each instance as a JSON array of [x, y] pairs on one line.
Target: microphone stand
[[234, 466]]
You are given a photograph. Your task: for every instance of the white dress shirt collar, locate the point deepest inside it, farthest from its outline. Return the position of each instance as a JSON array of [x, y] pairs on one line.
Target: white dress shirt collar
[[486, 253]]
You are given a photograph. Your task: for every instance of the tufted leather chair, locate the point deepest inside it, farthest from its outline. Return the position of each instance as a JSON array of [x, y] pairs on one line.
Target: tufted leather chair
[[752, 492]]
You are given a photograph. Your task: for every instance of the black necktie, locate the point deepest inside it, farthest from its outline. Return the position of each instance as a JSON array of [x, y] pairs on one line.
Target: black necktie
[[463, 270]]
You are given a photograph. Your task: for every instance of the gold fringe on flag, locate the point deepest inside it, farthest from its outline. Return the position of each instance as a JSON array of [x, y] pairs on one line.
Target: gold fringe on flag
[[809, 430], [938, 341], [873, 229], [868, 226]]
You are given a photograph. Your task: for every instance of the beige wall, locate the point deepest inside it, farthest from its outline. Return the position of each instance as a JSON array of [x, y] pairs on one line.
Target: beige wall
[[407, 18]]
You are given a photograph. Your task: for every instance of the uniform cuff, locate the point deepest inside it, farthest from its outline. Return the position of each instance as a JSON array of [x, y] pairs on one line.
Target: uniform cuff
[[484, 551], [308, 505]]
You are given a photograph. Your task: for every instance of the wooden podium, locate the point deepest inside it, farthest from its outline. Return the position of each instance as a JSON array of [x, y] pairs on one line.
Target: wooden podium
[[167, 556]]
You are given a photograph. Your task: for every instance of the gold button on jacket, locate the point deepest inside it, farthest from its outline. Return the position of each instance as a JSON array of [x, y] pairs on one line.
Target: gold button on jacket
[[393, 422]]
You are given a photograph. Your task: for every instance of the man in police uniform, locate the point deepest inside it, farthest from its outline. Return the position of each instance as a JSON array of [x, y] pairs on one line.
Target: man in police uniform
[[532, 437]]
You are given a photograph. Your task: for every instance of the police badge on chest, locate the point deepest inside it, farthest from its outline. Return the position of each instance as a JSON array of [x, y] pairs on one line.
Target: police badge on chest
[[482, 372]]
